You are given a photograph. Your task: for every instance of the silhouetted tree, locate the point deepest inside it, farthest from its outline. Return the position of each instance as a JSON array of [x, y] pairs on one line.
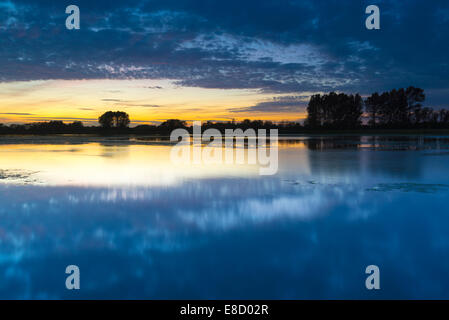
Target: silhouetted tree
[[373, 106], [444, 117], [106, 120], [76, 125], [414, 98], [314, 112], [117, 119], [121, 119], [334, 110], [394, 113], [349, 111], [172, 124], [397, 108]]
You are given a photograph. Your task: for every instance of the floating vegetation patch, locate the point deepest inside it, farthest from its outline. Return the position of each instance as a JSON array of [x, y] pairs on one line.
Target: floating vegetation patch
[[311, 183], [410, 187], [297, 182], [17, 176], [436, 154]]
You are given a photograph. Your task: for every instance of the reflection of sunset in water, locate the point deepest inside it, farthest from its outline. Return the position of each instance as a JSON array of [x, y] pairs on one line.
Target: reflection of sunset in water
[[120, 206], [103, 165], [120, 163]]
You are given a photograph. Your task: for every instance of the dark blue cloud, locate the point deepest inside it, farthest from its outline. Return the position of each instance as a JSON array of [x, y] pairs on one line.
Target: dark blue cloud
[[277, 104], [274, 46]]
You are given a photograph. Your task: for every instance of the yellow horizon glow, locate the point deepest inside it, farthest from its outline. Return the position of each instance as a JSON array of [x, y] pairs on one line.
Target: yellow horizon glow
[[146, 101], [124, 164]]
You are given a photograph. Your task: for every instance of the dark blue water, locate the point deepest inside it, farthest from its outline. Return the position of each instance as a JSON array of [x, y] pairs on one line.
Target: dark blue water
[[336, 206]]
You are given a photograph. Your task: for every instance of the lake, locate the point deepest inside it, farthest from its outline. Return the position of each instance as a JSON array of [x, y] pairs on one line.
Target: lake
[[140, 227]]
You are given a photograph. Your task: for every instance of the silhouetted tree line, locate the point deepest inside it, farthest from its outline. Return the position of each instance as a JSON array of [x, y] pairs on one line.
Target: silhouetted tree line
[[395, 109], [118, 123], [172, 124], [50, 127]]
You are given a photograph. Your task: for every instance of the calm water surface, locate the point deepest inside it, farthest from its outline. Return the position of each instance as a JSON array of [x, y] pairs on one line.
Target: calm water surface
[[140, 227]]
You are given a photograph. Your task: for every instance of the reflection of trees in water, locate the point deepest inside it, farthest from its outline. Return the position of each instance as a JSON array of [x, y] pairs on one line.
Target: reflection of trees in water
[[114, 150], [326, 143], [371, 155], [333, 161], [395, 156], [384, 143], [396, 164], [291, 142], [406, 142]]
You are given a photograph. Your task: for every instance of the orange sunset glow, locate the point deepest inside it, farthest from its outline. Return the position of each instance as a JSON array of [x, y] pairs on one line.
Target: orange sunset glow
[[147, 101]]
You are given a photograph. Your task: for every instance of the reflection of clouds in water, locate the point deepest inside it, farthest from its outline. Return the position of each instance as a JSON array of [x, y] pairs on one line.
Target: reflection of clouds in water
[[140, 219], [215, 205], [130, 228], [258, 210], [315, 224]]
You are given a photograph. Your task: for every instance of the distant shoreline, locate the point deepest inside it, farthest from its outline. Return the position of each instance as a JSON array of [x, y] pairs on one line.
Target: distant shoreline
[[304, 132]]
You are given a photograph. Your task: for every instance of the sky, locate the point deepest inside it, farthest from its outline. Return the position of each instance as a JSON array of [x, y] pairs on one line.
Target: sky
[[210, 59]]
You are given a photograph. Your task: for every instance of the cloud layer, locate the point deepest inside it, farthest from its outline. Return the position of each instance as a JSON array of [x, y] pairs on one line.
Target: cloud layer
[[272, 46]]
